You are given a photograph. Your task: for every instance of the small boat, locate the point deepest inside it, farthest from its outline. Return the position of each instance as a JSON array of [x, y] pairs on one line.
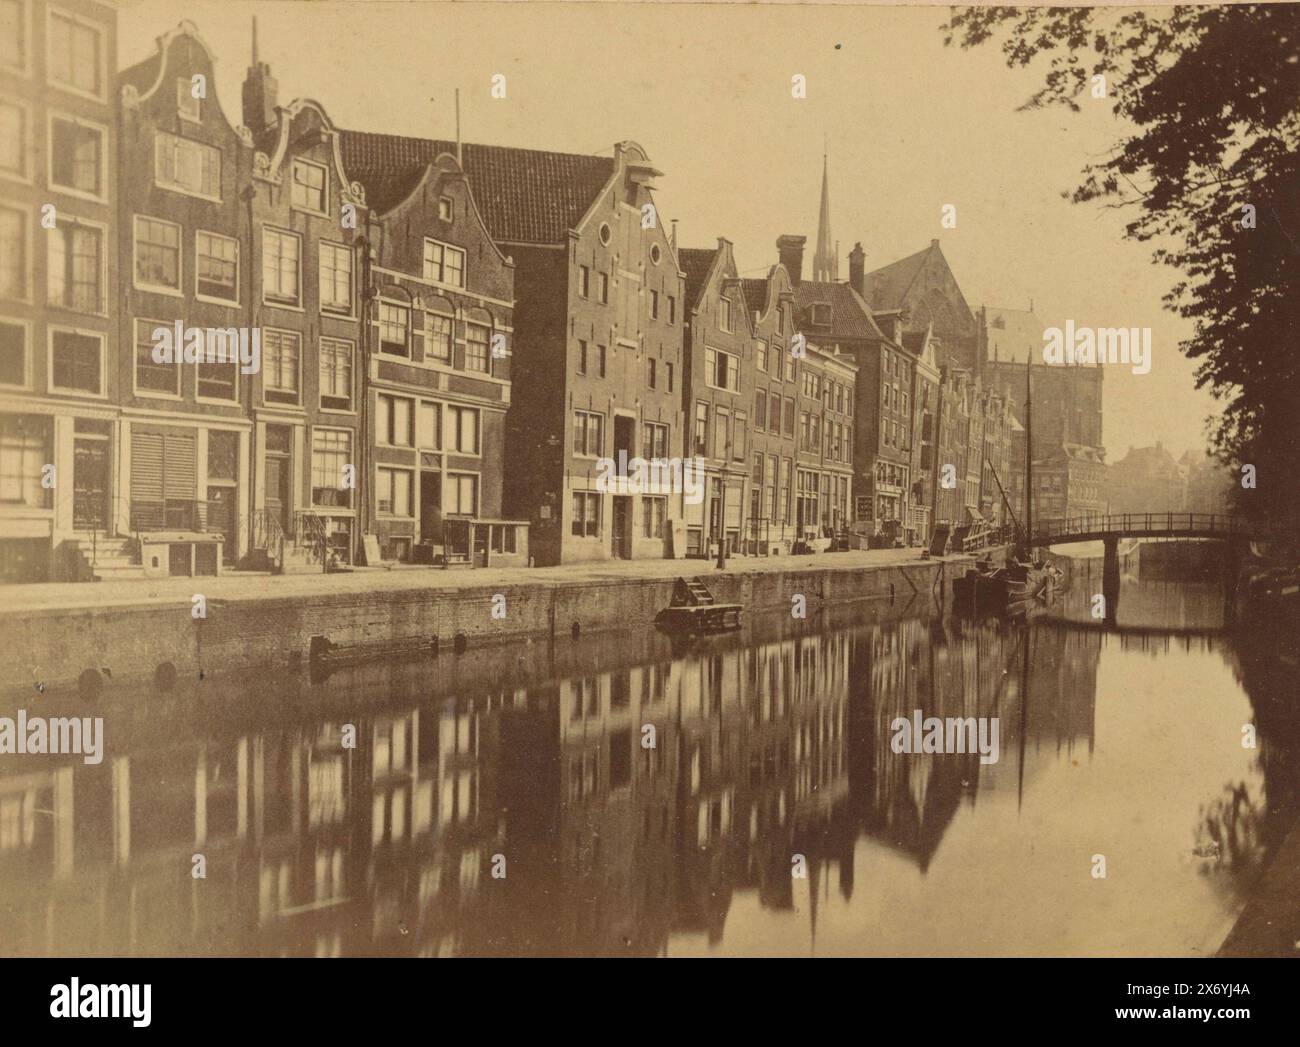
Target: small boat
[[1010, 589], [694, 611]]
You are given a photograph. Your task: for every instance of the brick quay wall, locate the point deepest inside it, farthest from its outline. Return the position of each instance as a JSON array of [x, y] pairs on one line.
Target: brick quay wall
[[129, 641]]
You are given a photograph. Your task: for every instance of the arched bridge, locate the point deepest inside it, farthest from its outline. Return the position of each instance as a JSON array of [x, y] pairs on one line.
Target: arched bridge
[[1110, 527]]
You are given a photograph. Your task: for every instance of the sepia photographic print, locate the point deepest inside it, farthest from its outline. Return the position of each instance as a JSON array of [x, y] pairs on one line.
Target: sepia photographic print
[[649, 480]]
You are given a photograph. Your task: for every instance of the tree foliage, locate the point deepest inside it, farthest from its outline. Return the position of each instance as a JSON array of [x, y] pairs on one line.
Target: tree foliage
[[1207, 101]]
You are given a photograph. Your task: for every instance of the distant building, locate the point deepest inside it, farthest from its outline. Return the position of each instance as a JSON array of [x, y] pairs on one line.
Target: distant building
[[1146, 480]]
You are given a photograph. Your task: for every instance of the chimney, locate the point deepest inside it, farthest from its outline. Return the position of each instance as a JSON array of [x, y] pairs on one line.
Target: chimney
[[857, 270], [261, 93], [790, 249]]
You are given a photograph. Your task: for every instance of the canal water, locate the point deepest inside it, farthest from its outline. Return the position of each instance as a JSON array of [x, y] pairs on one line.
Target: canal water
[[508, 802]]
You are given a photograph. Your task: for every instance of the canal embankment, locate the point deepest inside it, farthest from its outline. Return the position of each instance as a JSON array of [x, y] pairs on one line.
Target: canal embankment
[[110, 634]]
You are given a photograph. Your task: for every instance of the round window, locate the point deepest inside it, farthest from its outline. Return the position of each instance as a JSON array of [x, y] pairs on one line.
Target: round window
[[655, 253], [604, 232]]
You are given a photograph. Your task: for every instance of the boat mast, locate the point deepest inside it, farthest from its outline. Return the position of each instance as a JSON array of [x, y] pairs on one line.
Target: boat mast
[[1029, 458]]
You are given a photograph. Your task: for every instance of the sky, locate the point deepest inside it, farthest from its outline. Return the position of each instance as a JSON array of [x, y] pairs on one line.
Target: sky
[[908, 126]]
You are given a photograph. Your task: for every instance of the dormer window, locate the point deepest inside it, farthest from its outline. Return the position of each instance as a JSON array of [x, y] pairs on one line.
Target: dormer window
[[445, 208], [186, 102], [724, 314], [821, 314]]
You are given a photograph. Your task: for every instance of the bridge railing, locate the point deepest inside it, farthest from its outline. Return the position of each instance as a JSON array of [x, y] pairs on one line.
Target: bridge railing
[[1120, 524]]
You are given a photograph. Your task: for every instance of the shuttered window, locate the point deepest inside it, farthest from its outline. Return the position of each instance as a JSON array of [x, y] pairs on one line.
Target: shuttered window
[[164, 478]]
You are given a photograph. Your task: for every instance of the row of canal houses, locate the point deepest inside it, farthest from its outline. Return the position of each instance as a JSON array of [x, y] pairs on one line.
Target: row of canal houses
[[453, 337]]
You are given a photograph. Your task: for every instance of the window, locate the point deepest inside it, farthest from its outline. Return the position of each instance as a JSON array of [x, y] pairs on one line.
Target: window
[[157, 254], [774, 418], [740, 441], [307, 189], [26, 443], [75, 362], [584, 282], [76, 156], [446, 208], [281, 354], [668, 367], [586, 514], [216, 266], [395, 421], [335, 374], [460, 494], [281, 267], [654, 440], [335, 277], [429, 421], [654, 305], [13, 139], [331, 452], [721, 370], [721, 422], [582, 357], [653, 513], [13, 253], [150, 376], [588, 433], [187, 166], [605, 233], [218, 381], [700, 442], [760, 410], [75, 55], [476, 349], [760, 356], [394, 492], [789, 416], [13, 35], [444, 263], [464, 430], [600, 361], [724, 313], [602, 287], [672, 309], [13, 353], [652, 375], [438, 336], [187, 105], [394, 329], [75, 274]]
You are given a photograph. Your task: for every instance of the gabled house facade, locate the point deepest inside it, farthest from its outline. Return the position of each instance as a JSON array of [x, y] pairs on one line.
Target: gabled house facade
[[306, 221], [438, 375], [185, 265], [718, 388], [771, 511]]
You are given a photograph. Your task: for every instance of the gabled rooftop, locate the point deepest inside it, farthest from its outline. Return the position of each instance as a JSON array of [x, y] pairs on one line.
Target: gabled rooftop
[[527, 196]]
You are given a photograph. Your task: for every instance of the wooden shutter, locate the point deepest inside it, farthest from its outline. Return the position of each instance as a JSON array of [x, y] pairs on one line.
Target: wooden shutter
[[180, 474], [147, 466]]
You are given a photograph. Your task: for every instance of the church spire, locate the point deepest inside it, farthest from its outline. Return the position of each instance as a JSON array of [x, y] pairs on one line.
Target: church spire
[[826, 260]]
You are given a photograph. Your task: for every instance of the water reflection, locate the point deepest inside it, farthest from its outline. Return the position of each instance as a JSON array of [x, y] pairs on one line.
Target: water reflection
[[768, 744]]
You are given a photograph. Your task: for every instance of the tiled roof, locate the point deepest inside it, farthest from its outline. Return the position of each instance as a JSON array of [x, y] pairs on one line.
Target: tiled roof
[[142, 75], [755, 294], [850, 314], [695, 263], [887, 286], [525, 195]]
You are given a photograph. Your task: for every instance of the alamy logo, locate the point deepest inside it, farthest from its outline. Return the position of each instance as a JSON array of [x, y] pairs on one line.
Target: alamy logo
[[626, 475], [101, 1001], [53, 736], [953, 735], [209, 345], [1099, 345]]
